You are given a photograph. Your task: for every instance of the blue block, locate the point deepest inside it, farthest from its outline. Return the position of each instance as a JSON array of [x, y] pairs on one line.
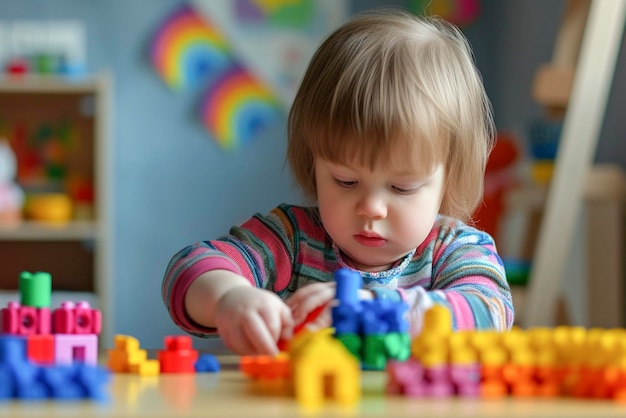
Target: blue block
[[7, 388], [394, 316], [372, 322], [93, 380], [346, 320], [13, 350], [58, 381], [207, 363], [348, 284]]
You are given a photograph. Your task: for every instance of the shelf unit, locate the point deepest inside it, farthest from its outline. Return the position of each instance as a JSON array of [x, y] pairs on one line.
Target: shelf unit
[[77, 253]]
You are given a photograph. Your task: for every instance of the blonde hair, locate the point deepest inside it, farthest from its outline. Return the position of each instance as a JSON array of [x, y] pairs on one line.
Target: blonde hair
[[390, 78]]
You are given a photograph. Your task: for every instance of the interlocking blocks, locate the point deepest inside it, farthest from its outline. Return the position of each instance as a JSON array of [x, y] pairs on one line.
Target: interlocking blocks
[[79, 318], [24, 320], [76, 348], [178, 356]]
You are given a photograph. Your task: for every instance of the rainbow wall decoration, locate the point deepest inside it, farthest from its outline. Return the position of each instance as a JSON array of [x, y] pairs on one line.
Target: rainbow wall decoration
[[187, 52], [187, 49], [237, 107]]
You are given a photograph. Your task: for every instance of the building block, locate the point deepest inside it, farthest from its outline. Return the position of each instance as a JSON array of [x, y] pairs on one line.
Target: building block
[[266, 367], [127, 357], [348, 284], [145, 368], [35, 289], [320, 362], [76, 348], [24, 320], [207, 363], [178, 356], [41, 349], [79, 318]]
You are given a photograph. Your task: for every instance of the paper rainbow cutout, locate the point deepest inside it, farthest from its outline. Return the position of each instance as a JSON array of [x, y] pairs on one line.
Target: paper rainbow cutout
[[237, 107], [187, 49]]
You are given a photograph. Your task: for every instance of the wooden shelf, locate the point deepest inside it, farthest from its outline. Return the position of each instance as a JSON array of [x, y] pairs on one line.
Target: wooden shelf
[[48, 84], [77, 253], [40, 231]]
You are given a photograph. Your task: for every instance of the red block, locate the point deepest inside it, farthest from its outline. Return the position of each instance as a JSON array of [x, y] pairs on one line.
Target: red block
[[178, 356], [40, 349]]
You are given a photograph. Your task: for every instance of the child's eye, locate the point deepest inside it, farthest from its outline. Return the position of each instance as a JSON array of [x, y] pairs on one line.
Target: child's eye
[[403, 190], [348, 184]]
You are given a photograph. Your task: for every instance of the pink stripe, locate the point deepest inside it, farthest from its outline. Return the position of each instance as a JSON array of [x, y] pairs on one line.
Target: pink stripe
[[177, 297], [461, 310]]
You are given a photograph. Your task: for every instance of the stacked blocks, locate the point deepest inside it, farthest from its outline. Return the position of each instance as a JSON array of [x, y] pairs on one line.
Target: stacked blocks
[[39, 360], [538, 362], [374, 330]]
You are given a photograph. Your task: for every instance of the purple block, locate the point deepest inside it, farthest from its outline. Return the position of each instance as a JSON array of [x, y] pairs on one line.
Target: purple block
[[76, 348]]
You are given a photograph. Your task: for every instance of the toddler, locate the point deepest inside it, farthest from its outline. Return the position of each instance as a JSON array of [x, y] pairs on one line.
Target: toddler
[[389, 135]]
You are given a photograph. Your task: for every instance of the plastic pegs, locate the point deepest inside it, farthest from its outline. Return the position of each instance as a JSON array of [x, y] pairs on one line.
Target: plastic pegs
[[35, 289]]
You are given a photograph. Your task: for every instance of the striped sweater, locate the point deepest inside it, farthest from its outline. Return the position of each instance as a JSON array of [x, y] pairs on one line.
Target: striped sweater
[[456, 266]]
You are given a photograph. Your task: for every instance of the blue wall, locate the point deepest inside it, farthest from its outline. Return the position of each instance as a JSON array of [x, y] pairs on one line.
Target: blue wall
[[173, 186]]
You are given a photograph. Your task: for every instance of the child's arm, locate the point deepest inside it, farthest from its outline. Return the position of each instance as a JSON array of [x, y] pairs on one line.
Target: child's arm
[[249, 320], [467, 276]]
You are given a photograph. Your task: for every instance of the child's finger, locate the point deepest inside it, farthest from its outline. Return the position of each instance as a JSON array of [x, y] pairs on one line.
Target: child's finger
[[258, 335], [236, 341], [322, 297]]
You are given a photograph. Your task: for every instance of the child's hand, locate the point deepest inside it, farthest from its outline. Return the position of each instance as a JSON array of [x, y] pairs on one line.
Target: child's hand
[[250, 320], [307, 298]]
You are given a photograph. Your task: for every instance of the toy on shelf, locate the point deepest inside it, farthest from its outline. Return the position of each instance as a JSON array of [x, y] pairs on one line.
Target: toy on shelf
[[49, 207], [46, 354], [11, 194]]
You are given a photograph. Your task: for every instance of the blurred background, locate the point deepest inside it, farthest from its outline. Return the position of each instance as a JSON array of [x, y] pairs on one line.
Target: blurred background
[[183, 106]]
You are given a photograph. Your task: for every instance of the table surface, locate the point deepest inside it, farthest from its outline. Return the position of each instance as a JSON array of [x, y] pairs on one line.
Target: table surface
[[231, 394]]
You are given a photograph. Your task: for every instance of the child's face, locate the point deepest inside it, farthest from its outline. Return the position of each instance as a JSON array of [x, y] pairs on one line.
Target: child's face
[[377, 216]]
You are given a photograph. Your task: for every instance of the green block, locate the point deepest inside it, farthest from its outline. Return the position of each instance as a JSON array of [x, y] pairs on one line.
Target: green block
[[35, 289], [374, 353], [352, 342], [398, 346]]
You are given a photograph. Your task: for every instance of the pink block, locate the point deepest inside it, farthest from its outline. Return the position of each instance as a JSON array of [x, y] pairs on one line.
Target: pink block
[[25, 320], [76, 348], [86, 319], [77, 318]]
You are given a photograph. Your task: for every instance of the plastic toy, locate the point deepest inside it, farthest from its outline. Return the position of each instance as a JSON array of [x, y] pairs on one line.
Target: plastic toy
[[178, 356], [207, 363], [77, 318], [538, 362], [373, 331], [49, 207], [11, 195], [38, 364], [317, 358], [127, 357]]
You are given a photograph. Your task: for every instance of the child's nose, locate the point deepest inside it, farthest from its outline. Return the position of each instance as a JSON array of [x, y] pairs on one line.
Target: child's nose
[[372, 205]]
